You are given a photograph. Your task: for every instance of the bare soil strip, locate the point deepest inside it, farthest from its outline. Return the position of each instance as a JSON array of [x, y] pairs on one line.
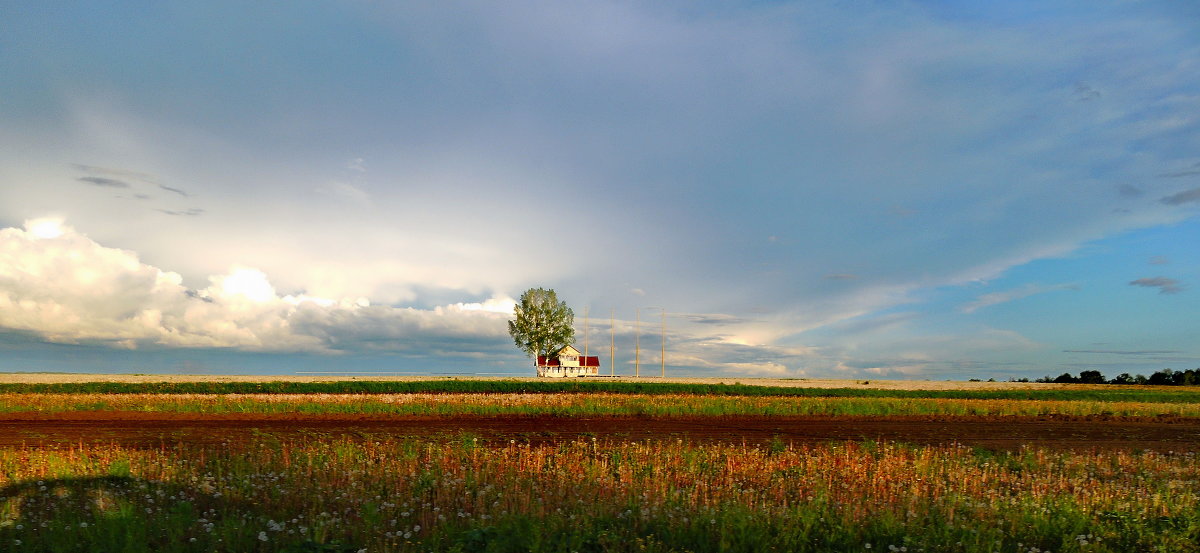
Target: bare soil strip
[[150, 430]]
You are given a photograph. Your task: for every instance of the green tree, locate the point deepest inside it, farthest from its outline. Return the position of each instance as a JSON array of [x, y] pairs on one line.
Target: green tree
[[542, 325]]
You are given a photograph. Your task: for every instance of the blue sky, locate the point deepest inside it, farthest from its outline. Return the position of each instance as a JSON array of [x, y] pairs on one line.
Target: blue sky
[[942, 190]]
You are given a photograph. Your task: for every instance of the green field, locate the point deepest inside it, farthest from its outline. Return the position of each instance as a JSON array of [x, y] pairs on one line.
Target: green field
[[462, 493], [339, 495], [1146, 394]]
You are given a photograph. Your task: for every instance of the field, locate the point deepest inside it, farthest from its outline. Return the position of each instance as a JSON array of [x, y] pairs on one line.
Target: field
[[483, 465]]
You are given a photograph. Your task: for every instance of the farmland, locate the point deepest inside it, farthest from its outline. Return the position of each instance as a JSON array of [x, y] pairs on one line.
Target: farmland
[[520, 466]]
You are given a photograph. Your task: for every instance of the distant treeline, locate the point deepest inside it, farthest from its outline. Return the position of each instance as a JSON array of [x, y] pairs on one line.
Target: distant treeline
[[1165, 377]]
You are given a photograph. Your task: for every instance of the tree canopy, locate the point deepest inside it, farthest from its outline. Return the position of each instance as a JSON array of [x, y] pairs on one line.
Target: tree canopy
[[542, 324]]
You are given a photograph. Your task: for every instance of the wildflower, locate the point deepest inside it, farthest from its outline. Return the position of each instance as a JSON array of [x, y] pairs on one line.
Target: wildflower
[[262, 536]]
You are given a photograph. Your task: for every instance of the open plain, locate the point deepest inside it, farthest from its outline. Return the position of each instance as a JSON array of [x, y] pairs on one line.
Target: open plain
[[196, 463]]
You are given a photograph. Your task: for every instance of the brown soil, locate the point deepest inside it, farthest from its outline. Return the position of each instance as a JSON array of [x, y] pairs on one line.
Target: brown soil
[[135, 429]]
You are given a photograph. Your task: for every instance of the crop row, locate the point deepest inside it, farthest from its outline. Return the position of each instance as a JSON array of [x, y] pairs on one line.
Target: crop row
[[341, 495], [1141, 394], [575, 404]]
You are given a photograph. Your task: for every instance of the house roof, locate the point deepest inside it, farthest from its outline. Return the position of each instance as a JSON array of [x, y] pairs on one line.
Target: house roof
[[584, 361]]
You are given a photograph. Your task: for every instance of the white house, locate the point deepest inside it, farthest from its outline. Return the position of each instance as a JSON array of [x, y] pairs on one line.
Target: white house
[[568, 362]]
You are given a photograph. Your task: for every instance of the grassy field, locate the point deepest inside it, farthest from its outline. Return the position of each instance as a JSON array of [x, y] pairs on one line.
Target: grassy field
[[1106, 393], [575, 404], [322, 495], [454, 493]]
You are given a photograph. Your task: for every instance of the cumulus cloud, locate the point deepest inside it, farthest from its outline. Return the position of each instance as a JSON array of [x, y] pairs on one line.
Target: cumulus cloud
[[63, 286], [1165, 285]]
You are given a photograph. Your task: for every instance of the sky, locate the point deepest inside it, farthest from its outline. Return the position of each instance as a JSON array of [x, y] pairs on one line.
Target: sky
[[868, 189]]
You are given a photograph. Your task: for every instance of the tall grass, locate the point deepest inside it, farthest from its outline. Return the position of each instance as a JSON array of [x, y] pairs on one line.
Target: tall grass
[[575, 404], [346, 495], [577, 386]]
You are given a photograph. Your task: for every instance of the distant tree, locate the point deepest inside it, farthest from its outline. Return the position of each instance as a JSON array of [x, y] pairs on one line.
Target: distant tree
[[1091, 377], [1065, 378], [1123, 378], [1165, 377], [1186, 378], [1141, 379], [542, 325]]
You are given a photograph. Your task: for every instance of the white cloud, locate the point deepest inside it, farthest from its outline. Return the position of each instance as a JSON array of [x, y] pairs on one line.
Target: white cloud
[[996, 298], [65, 287], [345, 191]]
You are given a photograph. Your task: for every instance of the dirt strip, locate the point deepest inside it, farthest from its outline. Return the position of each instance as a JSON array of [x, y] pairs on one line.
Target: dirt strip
[[152, 430]]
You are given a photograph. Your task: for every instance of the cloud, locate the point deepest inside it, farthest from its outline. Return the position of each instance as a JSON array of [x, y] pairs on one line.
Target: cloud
[[66, 288], [190, 212], [996, 298], [1165, 285], [357, 165], [1191, 170], [841, 276], [1121, 352], [1084, 92], [173, 190], [123, 173], [1129, 191], [1159, 260], [104, 182], [1181, 198], [711, 318], [345, 191]]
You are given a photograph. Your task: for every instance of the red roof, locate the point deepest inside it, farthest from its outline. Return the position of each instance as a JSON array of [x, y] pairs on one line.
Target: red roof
[[584, 361]]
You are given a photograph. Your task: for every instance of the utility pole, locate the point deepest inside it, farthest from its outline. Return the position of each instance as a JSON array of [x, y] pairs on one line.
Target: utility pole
[[612, 344], [637, 345], [585, 329]]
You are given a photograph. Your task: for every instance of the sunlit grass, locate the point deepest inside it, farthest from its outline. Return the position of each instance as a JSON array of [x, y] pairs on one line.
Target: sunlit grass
[[575, 404], [1141, 394], [335, 495]]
